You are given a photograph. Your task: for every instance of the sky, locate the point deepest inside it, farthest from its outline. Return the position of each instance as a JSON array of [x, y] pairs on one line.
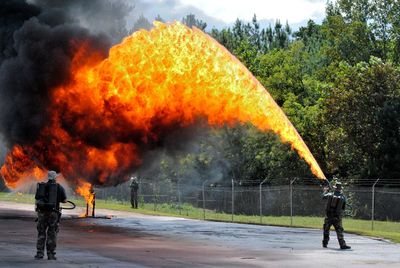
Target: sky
[[292, 10], [222, 13]]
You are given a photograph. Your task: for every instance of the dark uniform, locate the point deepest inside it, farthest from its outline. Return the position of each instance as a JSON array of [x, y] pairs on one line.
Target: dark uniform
[[48, 220], [335, 205], [134, 185]]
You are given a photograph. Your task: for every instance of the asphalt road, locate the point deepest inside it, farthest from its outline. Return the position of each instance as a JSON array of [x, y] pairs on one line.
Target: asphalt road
[[135, 240]]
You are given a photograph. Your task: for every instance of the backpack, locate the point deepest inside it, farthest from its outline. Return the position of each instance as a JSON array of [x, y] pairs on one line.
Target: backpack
[[46, 196], [335, 204], [134, 185]]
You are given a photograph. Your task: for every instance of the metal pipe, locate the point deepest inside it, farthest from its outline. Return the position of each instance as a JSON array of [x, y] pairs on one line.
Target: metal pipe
[[179, 198], [373, 204], [93, 204], [291, 200], [204, 200], [154, 196], [233, 198], [261, 198]]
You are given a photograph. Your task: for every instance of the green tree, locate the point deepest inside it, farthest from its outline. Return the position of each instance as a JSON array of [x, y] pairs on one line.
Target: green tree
[[224, 37], [362, 135], [394, 17], [309, 34], [381, 18], [190, 20], [351, 42], [159, 18], [355, 10], [282, 71], [141, 23]]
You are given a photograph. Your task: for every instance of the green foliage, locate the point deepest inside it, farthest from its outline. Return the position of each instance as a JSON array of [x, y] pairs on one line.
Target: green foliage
[[374, 24], [362, 125], [191, 20], [250, 35], [351, 42], [283, 71]]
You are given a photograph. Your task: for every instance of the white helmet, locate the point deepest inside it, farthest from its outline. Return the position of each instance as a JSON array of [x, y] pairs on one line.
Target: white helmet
[[52, 175]]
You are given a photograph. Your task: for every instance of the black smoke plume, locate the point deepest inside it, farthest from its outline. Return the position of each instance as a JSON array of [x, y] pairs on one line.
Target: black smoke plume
[[38, 39]]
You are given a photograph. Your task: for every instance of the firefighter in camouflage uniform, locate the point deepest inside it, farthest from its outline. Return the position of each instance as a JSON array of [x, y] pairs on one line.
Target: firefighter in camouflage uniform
[[134, 185], [335, 205], [48, 197]]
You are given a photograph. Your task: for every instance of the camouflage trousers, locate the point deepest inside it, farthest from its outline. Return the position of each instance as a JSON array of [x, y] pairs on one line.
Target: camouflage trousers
[[134, 198], [337, 223], [47, 227]]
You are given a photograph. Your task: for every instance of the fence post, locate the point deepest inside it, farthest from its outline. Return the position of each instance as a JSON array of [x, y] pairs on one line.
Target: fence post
[[233, 198], [154, 196], [373, 204], [291, 201], [261, 198], [121, 194], [204, 200], [105, 194], [140, 193], [179, 198]]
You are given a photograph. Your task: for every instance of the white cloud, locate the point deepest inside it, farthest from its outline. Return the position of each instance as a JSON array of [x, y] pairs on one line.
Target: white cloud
[[228, 11]]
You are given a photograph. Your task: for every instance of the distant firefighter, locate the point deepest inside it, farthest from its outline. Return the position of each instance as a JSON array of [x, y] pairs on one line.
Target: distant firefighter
[[134, 185], [335, 205], [48, 197]]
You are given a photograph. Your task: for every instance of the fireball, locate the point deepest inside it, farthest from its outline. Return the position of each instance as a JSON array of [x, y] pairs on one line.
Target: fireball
[[151, 83]]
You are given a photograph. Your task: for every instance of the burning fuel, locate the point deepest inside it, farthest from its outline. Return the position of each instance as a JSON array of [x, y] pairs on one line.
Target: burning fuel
[[114, 110], [86, 190]]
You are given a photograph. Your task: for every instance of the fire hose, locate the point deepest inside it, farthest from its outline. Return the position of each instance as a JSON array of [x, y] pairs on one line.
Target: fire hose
[[72, 203], [61, 208], [328, 184]]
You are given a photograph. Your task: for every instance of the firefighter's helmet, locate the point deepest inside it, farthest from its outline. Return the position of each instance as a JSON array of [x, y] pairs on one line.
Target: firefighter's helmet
[[338, 185], [51, 175]]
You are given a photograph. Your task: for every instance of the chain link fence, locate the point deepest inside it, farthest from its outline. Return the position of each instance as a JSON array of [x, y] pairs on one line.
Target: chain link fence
[[377, 201], [295, 198]]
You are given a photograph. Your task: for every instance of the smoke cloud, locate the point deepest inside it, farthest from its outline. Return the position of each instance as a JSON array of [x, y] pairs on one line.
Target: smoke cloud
[[3, 152], [190, 155], [98, 16], [38, 40]]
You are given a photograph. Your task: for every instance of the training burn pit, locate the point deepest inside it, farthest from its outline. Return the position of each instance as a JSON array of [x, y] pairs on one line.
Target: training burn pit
[[112, 110]]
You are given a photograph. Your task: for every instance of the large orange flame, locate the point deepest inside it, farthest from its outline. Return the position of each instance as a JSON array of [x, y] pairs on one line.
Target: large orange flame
[[18, 168], [85, 189], [151, 83]]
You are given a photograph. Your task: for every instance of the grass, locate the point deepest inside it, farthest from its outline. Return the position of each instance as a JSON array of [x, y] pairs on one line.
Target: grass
[[382, 229]]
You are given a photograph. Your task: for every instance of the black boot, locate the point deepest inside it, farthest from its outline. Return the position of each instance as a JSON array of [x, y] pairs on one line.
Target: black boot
[[51, 256], [325, 241], [39, 256], [345, 246]]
